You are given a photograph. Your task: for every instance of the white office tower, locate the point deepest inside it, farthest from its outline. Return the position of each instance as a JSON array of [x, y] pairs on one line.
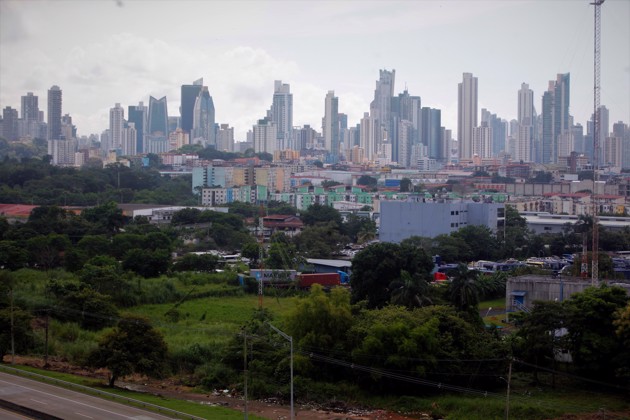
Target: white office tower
[[466, 115], [330, 124], [482, 141], [265, 136], [116, 126], [282, 114], [525, 131]]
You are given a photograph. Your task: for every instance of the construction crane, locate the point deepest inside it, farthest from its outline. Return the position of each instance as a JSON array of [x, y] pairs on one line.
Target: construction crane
[[596, 130]]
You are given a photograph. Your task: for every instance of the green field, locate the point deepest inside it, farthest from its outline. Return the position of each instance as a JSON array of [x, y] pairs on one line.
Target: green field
[[210, 320]]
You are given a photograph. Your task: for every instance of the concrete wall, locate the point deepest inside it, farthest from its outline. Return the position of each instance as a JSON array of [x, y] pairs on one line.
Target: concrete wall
[[545, 288]]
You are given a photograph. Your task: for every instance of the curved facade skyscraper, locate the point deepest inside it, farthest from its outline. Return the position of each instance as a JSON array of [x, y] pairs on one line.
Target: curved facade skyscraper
[[158, 117], [203, 130]]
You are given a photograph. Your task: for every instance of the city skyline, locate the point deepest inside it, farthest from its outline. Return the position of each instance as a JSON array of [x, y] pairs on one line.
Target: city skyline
[[125, 60]]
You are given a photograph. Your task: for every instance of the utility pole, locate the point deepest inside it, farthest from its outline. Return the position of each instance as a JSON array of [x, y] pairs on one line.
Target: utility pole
[[12, 330], [46, 343], [290, 339], [507, 396], [245, 371], [596, 130]]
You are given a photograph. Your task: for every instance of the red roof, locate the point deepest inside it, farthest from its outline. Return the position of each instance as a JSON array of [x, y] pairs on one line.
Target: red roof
[[16, 210]]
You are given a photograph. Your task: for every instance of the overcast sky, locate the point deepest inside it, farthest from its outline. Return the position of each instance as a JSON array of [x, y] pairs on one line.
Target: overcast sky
[[101, 52]]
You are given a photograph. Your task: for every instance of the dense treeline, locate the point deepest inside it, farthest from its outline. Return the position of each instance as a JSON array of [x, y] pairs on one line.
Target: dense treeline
[[35, 181]]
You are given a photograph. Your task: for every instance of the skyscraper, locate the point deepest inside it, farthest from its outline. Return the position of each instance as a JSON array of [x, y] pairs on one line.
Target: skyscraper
[[188, 99], [466, 115], [203, 119], [9, 123], [30, 107], [549, 145], [158, 117], [431, 131], [330, 126], [54, 113], [138, 115], [116, 126], [282, 113], [556, 117], [482, 141], [525, 131], [265, 136], [156, 134], [404, 107], [380, 108]]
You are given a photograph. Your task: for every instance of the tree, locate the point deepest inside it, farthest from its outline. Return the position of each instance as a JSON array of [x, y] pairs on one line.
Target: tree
[[320, 241], [593, 344], [378, 265], [193, 262], [405, 185], [359, 229], [80, 303], [318, 213], [538, 339], [321, 320], [451, 248], [409, 291], [464, 292], [147, 263], [481, 240], [133, 346], [367, 180]]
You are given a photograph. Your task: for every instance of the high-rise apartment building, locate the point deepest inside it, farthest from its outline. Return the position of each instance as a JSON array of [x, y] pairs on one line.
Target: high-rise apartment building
[[54, 113], [482, 141], [189, 94], [138, 115], [330, 125], [282, 114], [525, 131], [30, 107], [466, 115], [116, 126], [9, 123], [225, 138], [265, 136]]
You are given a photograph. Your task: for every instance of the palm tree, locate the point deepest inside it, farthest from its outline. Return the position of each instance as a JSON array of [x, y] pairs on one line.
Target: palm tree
[[465, 290], [412, 292]]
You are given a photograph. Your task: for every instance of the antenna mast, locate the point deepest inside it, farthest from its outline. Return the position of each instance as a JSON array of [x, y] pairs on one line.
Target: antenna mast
[[596, 130]]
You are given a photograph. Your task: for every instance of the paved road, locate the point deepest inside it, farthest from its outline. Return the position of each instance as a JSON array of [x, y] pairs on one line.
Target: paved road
[[7, 415], [63, 403]]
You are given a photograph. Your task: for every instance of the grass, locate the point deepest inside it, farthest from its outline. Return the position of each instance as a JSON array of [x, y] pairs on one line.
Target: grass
[[495, 304], [187, 407], [209, 320]]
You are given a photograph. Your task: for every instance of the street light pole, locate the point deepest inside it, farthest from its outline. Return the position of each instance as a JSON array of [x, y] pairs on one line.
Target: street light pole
[[290, 339]]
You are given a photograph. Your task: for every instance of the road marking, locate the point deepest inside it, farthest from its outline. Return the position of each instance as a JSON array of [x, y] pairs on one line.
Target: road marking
[[67, 399], [83, 415], [38, 401]]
